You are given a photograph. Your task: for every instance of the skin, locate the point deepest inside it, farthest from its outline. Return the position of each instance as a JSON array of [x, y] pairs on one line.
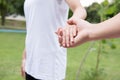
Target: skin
[[23, 64], [78, 13], [89, 32]]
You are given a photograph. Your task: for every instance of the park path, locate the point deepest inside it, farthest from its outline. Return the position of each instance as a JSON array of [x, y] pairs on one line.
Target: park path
[[16, 17]]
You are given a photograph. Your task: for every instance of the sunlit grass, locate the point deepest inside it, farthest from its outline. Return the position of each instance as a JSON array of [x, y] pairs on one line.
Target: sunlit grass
[[12, 45]]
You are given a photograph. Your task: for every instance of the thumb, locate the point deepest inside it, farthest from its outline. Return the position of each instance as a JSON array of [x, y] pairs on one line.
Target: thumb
[[72, 22], [59, 32], [78, 40]]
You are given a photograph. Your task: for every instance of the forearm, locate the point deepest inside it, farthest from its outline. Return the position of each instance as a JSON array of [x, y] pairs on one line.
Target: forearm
[[78, 10], [24, 55], [107, 29], [23, 63], [80, 13]]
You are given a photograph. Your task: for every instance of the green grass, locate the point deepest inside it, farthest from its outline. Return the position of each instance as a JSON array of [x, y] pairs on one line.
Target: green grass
[[109, 61], [12, 45]]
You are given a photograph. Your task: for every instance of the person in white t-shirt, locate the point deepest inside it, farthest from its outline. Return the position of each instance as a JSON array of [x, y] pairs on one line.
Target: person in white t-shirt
[[43, 58]]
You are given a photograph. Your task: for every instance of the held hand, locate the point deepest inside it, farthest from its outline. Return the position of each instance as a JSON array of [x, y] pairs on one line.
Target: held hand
[[70, 21], [82, 37], [59, 33], [66, 35], [69, 32], [83, 28]]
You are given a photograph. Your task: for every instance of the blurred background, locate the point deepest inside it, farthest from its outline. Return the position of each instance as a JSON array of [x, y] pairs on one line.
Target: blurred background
[[101, 63]]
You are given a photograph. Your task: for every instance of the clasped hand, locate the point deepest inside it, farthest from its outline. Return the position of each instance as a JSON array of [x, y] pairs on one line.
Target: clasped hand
[[74, 33]]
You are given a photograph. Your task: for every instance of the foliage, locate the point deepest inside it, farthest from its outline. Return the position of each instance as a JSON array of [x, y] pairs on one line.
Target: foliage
[[8, 7], [70, 13], [92, 13], [12, 45], [3, 10], [105, 10], [93, 75], [98, 13]]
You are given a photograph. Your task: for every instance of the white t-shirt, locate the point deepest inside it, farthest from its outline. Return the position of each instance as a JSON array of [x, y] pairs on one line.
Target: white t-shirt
[[45, 59]]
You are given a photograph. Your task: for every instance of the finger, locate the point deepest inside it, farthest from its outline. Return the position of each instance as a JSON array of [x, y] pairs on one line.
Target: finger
[[63, 38], [74, 31], [60, 41], [59, 32], [67, 37], [23, 68], [71, 36], [22, 72], [70, 21], [79, 39]]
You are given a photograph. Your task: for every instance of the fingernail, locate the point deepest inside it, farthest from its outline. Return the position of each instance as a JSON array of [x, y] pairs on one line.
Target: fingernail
[[74, 34], [67, 45], [64, 45]]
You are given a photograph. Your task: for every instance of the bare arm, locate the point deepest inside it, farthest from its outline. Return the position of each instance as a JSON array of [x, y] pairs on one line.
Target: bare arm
[[78, 13], [76, 7], [24, 55], [88, 32], [107, 29], [23, 63], [104, 30]]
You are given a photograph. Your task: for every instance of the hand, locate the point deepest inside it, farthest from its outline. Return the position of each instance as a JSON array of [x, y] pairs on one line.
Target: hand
[[66, 35], [23, 68], [70, 30], [83, 29], [59, 33], [83, 33], [70, 20]]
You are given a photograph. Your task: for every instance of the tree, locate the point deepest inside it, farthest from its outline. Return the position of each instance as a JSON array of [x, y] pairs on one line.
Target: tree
[[3, 10], [98, 13], [92, 13], [18, 7], [8, 7]]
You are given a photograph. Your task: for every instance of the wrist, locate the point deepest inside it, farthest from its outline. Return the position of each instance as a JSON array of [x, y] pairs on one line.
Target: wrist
[[92, 32], [80, 13]]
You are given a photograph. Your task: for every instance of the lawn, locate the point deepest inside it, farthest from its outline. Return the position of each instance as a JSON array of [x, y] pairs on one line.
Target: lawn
[[12, 45]]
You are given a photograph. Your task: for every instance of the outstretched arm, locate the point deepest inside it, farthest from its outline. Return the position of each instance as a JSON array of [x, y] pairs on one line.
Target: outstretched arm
[[88, 32], [79, 12], [104, 30], [107, 29]]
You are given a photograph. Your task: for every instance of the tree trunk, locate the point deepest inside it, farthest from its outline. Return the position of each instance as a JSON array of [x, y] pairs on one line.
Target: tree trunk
[[3, 19], [3, 12]]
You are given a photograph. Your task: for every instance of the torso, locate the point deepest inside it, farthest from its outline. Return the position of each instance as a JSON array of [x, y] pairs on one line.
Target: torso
[[45, 59]]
